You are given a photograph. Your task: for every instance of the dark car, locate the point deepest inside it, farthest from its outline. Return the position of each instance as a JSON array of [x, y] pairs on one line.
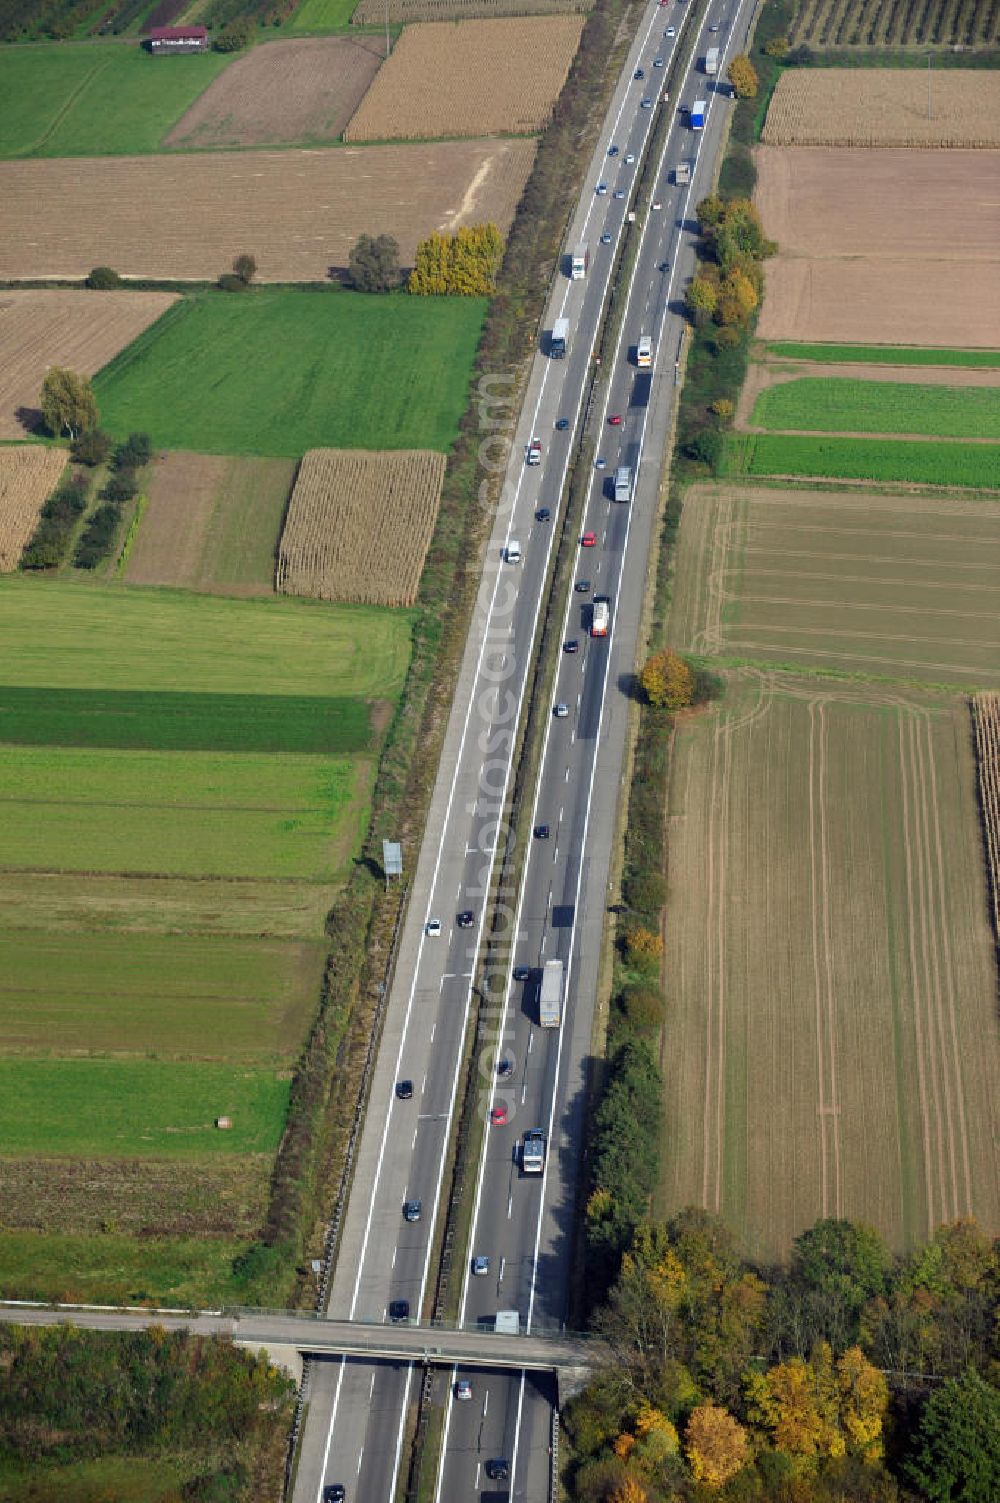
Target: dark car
[[399, 1309], [465, 919], [334, 1493], [505, 1068], [571, 646], [562, 424], [612, 151], [404, 1089], [582, 586], [541, 832], [638, 75], [542, 514], [498, 1470], [412, 1210], [522, 973]]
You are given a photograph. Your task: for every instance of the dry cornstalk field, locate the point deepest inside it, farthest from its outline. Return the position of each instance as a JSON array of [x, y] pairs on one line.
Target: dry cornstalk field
[[304, 90], [883, 107], [359, 525], [373, 12], [28, 475], [868, 249], [875, 23], [986, 718], [81, 330], [470, 78], [185, 216]]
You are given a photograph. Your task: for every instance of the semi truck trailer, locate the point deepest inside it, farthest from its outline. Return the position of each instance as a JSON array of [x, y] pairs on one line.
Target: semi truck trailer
[[559, 339], [550, 996], [712, 62]]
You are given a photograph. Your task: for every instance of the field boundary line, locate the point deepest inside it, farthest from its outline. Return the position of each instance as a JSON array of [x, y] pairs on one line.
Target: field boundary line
[[817, 983]]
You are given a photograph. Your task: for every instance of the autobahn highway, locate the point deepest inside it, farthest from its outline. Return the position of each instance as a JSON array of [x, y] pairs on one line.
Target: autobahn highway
[[355, 1424]]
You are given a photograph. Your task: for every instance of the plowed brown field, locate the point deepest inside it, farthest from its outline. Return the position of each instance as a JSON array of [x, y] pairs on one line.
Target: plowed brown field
[[28, 475], [81, 330], [881, 247], [187, 216], [359, 525], [469, 79], [882, 107], [284, 91]]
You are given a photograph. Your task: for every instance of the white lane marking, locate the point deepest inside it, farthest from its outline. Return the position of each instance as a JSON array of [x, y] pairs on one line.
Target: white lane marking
[[423, 1085], [361, 1455], [394, 1252], [524, 1092], [486, 1403], [433, 1031], [371, 1389], [555, 855], [414, 1143], [510, 1204], [531, 1040]]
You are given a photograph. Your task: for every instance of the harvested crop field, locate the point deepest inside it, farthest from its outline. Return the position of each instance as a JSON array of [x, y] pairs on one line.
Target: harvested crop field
[[80, 330], [186, 216], [986, 718], [297, 90], [212, 523], [898, 586], [883, 107], [859, 23], [372, 12], [831, 1042], [28, 476], [359, 525], [469, 79], [868, 250]]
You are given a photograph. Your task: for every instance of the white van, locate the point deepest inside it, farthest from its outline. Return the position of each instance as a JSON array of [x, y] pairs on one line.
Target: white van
[[623, 483], [513, 554]]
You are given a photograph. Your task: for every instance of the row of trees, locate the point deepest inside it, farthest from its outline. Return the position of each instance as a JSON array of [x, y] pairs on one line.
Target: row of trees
[[465, 264], [761, 1384], [729, 281]]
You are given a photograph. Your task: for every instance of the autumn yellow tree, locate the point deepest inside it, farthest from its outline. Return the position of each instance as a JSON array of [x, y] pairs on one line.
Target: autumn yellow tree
[[432, 269], [464, 264], [667, 680], [864, 1399], [643, 946], [717, 1445], [630, 1490], [797, 1404], [701, 298], [743, 76]]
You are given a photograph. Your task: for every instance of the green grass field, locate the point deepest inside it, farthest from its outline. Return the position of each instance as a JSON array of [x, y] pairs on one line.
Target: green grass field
[[881, 354], [141, 1479], [109, 1268], [279, 371], [177, 995], [830, 405], [290, 723], [893, 460], [183, 814], [57, 635], [322, 15], [120, 1107], [95, 99]]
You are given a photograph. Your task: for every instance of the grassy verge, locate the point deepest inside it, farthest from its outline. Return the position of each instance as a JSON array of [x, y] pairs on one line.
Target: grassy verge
[[902, 460], [828, 404], [881, 354]]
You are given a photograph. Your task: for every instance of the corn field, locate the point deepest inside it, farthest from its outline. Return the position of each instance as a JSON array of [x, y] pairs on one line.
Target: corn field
[[359, 525], [986, 718], [478, 78], [29, 474], [884, 107], [896, 23]]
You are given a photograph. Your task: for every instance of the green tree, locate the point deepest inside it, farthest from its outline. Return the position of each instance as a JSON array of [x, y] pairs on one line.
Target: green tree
[[103, 278], [843, 1258], [245, 267], [957, 1453], [373, 263], [237, 35], [92, 448], [67, 403], [743, 76]]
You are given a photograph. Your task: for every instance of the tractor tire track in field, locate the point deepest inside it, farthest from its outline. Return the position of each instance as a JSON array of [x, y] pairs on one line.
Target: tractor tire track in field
[[828, 1108]]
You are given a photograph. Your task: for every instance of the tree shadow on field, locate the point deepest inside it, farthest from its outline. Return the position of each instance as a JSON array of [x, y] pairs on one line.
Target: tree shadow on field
[[30, 419]]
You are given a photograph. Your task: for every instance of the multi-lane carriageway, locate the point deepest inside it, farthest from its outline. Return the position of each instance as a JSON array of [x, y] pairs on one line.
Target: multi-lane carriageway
[[356, 1423]]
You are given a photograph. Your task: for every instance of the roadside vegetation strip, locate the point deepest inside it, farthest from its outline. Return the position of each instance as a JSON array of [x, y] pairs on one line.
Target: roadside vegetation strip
[[59, 636], [470, 79], [160, 1108], [835, 405], [302, 90], [196, 997], [28, 476], [880, 354], [151, 720], [277, 372], [104, 99], [359, 525], [986, 720], [879, 107], [923, 463]]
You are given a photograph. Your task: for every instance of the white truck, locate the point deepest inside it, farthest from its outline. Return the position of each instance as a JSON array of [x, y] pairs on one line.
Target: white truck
[[579, 262], [682, 173], [712, 62], [600, 618], [507, 1323], [533, 1151], [559, 339], [550, 996], [623, 483]]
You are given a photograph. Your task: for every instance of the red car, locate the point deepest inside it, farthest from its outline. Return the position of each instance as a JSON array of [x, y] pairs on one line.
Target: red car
[[589, 540], [498, 1116], [615, 420]]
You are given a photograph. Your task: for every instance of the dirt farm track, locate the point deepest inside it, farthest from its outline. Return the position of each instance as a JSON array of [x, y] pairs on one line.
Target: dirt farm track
[[885, 246], [187, 216]]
